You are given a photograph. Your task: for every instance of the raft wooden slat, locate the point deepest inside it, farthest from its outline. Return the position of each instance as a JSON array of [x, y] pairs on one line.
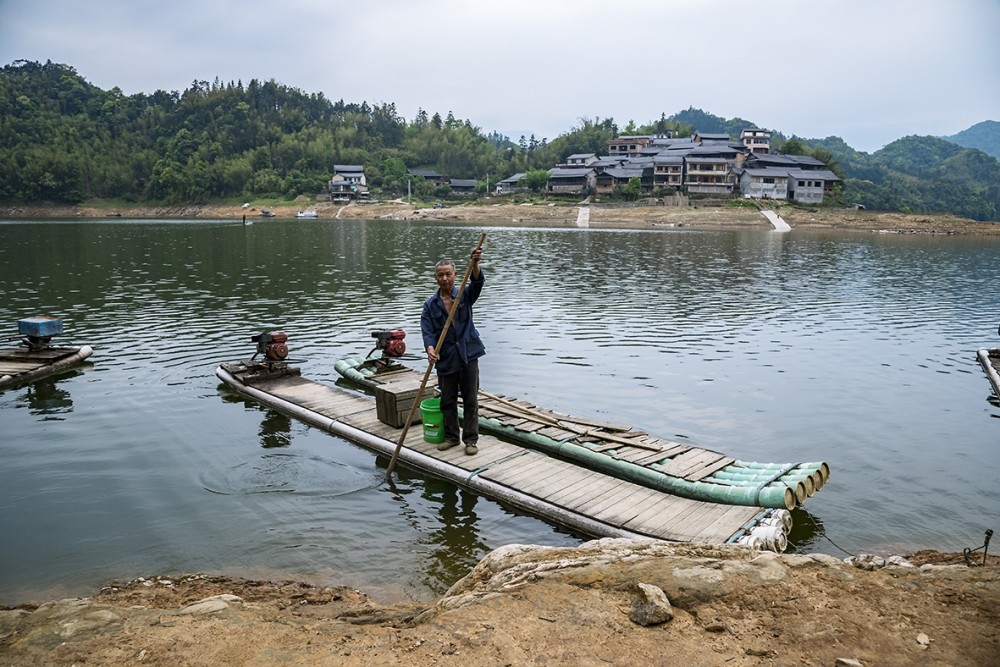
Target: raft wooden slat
[[591, 485], [14, 367], [705, 471], [681, 464], [576, 496], [710, 533], [526, 477], [562, 492]]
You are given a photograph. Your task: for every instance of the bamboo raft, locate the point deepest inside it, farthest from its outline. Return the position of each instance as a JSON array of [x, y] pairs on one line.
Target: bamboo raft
[[588, 501], [20, 365], [621, 451], [989, 359], [36, 357]]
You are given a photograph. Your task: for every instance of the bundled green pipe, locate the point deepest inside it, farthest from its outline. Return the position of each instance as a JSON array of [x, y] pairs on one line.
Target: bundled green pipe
[[791, 479], [773, 496], [820, 466], [810, 473]]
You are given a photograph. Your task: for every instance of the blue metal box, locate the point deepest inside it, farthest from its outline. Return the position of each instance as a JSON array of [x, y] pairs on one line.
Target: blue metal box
[[40, 326]]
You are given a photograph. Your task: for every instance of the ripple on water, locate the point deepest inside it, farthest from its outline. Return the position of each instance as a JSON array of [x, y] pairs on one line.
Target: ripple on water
[[292, 472]]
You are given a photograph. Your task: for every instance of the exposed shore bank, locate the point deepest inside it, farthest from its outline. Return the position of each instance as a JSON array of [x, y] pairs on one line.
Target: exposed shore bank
[[522, 605], [606, 216]]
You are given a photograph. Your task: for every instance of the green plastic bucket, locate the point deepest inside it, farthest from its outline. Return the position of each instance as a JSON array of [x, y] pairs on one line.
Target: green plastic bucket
[[430, 415]]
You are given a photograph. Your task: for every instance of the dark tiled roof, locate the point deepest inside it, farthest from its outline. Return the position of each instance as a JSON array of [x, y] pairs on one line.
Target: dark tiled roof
[[777, 173], [426, 173], [560, 172], [623, 173], [813, 174]]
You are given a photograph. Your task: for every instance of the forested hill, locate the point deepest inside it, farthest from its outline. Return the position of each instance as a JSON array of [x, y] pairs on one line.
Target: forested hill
[[919, 174], [985, 136], [65, 140]]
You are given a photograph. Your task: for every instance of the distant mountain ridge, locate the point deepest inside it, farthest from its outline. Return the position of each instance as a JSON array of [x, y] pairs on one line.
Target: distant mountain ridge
[[985, 136]]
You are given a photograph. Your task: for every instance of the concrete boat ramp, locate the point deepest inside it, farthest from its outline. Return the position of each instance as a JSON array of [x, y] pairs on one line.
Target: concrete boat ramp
[[584, 500]]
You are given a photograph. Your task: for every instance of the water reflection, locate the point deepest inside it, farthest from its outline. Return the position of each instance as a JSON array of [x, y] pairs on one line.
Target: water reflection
[[44, 398], [275, 430], [807, 532], [456, 545]]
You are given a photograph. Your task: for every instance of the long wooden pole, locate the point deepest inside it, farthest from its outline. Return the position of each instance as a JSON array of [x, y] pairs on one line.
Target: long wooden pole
[[430, 365]]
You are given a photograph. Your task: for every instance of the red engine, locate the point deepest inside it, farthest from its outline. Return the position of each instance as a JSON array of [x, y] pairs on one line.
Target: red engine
[[272, 345], [390, 342]]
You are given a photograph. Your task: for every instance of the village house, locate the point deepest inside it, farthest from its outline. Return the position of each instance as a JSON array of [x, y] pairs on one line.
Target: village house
[[579, 160], [463, 186], [668, 171], [608, 181], [510, 185], [348, 182], [571, 181], [709, 138], [707, 175], [800, 178], [756, 140], [628, 146], [809, 186], [763, 183], [427, 174], [705, 163]]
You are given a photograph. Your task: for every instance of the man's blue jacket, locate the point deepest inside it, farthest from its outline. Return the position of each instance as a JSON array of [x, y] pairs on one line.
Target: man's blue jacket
[[462, 344]]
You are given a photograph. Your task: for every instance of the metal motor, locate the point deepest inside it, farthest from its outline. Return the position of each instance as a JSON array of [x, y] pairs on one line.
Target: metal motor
[[37, 331], [271, 345], [390, 341]]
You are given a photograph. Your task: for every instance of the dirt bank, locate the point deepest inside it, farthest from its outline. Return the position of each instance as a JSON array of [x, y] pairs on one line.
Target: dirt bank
[[562, 215], [523, 605]]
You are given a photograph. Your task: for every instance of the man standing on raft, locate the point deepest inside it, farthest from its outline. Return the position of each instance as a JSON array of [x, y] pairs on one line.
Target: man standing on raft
[[457, 364]]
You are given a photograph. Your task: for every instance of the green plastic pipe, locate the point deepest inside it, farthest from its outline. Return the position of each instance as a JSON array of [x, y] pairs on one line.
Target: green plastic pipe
[[768, 496], [821, 466]]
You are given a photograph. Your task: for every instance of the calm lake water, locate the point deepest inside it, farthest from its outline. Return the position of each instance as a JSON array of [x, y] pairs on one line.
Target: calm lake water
[[854, 348]]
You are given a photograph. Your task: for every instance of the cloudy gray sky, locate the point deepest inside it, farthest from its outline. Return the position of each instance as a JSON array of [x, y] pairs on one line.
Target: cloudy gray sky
[[870, 71]]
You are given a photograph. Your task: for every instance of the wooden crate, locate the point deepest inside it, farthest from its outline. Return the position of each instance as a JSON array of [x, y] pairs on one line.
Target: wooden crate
[[394, 398]]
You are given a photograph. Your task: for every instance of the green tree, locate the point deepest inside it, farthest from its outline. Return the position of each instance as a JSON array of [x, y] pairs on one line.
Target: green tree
[[536, 179], [632, 189]]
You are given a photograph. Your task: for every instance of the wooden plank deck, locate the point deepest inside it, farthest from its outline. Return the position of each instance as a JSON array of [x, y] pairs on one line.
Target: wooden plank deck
[[590, 502]]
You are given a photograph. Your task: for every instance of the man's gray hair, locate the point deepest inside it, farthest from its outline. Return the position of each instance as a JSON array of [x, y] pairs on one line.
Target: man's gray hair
[[445, 262]]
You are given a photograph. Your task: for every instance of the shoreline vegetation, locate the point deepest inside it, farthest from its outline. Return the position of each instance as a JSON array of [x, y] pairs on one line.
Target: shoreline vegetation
[[601, 215], [595, 604]]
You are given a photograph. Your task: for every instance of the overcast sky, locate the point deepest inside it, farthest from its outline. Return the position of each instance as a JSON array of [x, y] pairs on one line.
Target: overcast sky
[[870, 71]]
